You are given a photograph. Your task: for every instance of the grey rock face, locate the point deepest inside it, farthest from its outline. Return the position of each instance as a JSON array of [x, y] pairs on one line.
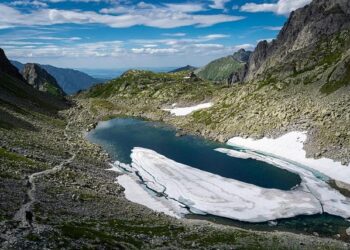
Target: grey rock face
[[304, 28], [40, 79], [242, 55]]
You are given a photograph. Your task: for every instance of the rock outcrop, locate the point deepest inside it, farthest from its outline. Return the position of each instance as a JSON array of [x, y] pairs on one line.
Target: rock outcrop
[[70, 80], [305, 28], [41, 80], [242, 55], [16, 95]]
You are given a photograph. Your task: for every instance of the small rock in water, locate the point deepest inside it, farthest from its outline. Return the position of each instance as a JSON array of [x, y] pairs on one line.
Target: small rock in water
[[315, 234]]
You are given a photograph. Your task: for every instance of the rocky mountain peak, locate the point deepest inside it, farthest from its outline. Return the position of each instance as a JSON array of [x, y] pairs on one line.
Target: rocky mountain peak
[[40, 79], [305, 27], [242, 55], [8, 68]]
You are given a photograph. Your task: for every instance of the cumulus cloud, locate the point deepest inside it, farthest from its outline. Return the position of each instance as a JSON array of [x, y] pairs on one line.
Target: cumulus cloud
[[99, 49], [170, 16], [34, 3], [282, 7], [219, 4], [152, 51], [215, 36], [246, 46], [178, 34]]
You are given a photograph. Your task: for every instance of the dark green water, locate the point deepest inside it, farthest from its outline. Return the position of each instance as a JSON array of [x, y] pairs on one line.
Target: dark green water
[[120, 136], [123, 134]]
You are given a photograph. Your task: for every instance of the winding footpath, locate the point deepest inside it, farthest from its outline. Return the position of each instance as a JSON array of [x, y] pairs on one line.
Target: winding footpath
[[21, 213], [25, 226]]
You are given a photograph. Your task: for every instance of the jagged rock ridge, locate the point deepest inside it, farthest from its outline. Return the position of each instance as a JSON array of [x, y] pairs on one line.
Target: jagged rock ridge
[[70, 80], [304, 29], [41, 80]]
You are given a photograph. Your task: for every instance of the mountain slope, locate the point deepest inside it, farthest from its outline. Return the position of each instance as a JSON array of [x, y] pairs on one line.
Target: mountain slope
[[221, 69], [313, 40], [185, 68], [7, 68], [70, 80], [19, 99], [41, 80]]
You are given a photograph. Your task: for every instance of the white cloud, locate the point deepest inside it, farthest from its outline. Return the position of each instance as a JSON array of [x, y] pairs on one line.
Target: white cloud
[[219, 4], [79, 1], [282, 7], [246, 46], [161, 17], [185, 7], [98, 49], [215, 36], [152, 51], [174, 34], [274, 28], [150, 45], [34, 3]]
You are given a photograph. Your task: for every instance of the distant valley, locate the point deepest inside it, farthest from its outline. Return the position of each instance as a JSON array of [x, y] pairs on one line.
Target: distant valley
[[70, 80]]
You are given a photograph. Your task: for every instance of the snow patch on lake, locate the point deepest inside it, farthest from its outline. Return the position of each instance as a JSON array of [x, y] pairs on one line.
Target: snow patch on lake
[[206, 193], [137, 193], [175, 189], [331, 200], [188, 110], [290, 147]]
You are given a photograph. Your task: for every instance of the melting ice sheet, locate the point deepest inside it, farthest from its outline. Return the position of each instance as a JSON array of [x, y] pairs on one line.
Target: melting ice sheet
[[206, 193], [290, 147]]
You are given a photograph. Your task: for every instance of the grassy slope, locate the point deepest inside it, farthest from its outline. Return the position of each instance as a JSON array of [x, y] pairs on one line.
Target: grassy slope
[[220, 69]]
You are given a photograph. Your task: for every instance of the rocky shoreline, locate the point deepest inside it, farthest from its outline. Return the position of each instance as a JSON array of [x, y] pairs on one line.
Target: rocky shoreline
[[82, 205], [172, 121]]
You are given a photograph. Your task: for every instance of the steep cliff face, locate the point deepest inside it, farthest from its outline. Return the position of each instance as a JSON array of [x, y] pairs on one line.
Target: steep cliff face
[[41, 80], [301, 35]]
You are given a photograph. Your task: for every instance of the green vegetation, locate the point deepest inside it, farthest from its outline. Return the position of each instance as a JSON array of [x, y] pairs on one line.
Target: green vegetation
[[20, 90], [155, 87], [52, 89], [32, 237], [13, 165], [332, 86], [5, 125], [202, 116], [220, 69], [117, 231], [15, 157]]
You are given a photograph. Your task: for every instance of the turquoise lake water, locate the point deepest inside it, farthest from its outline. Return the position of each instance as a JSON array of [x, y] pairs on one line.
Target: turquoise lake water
[[119, 136], [122, 135]]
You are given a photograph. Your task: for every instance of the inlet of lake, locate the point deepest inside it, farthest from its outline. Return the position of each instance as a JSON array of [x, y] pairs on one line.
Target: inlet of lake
[[119, 136]]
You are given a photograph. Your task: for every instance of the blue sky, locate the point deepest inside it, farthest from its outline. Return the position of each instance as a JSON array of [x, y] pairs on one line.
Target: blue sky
[[125, 33]]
